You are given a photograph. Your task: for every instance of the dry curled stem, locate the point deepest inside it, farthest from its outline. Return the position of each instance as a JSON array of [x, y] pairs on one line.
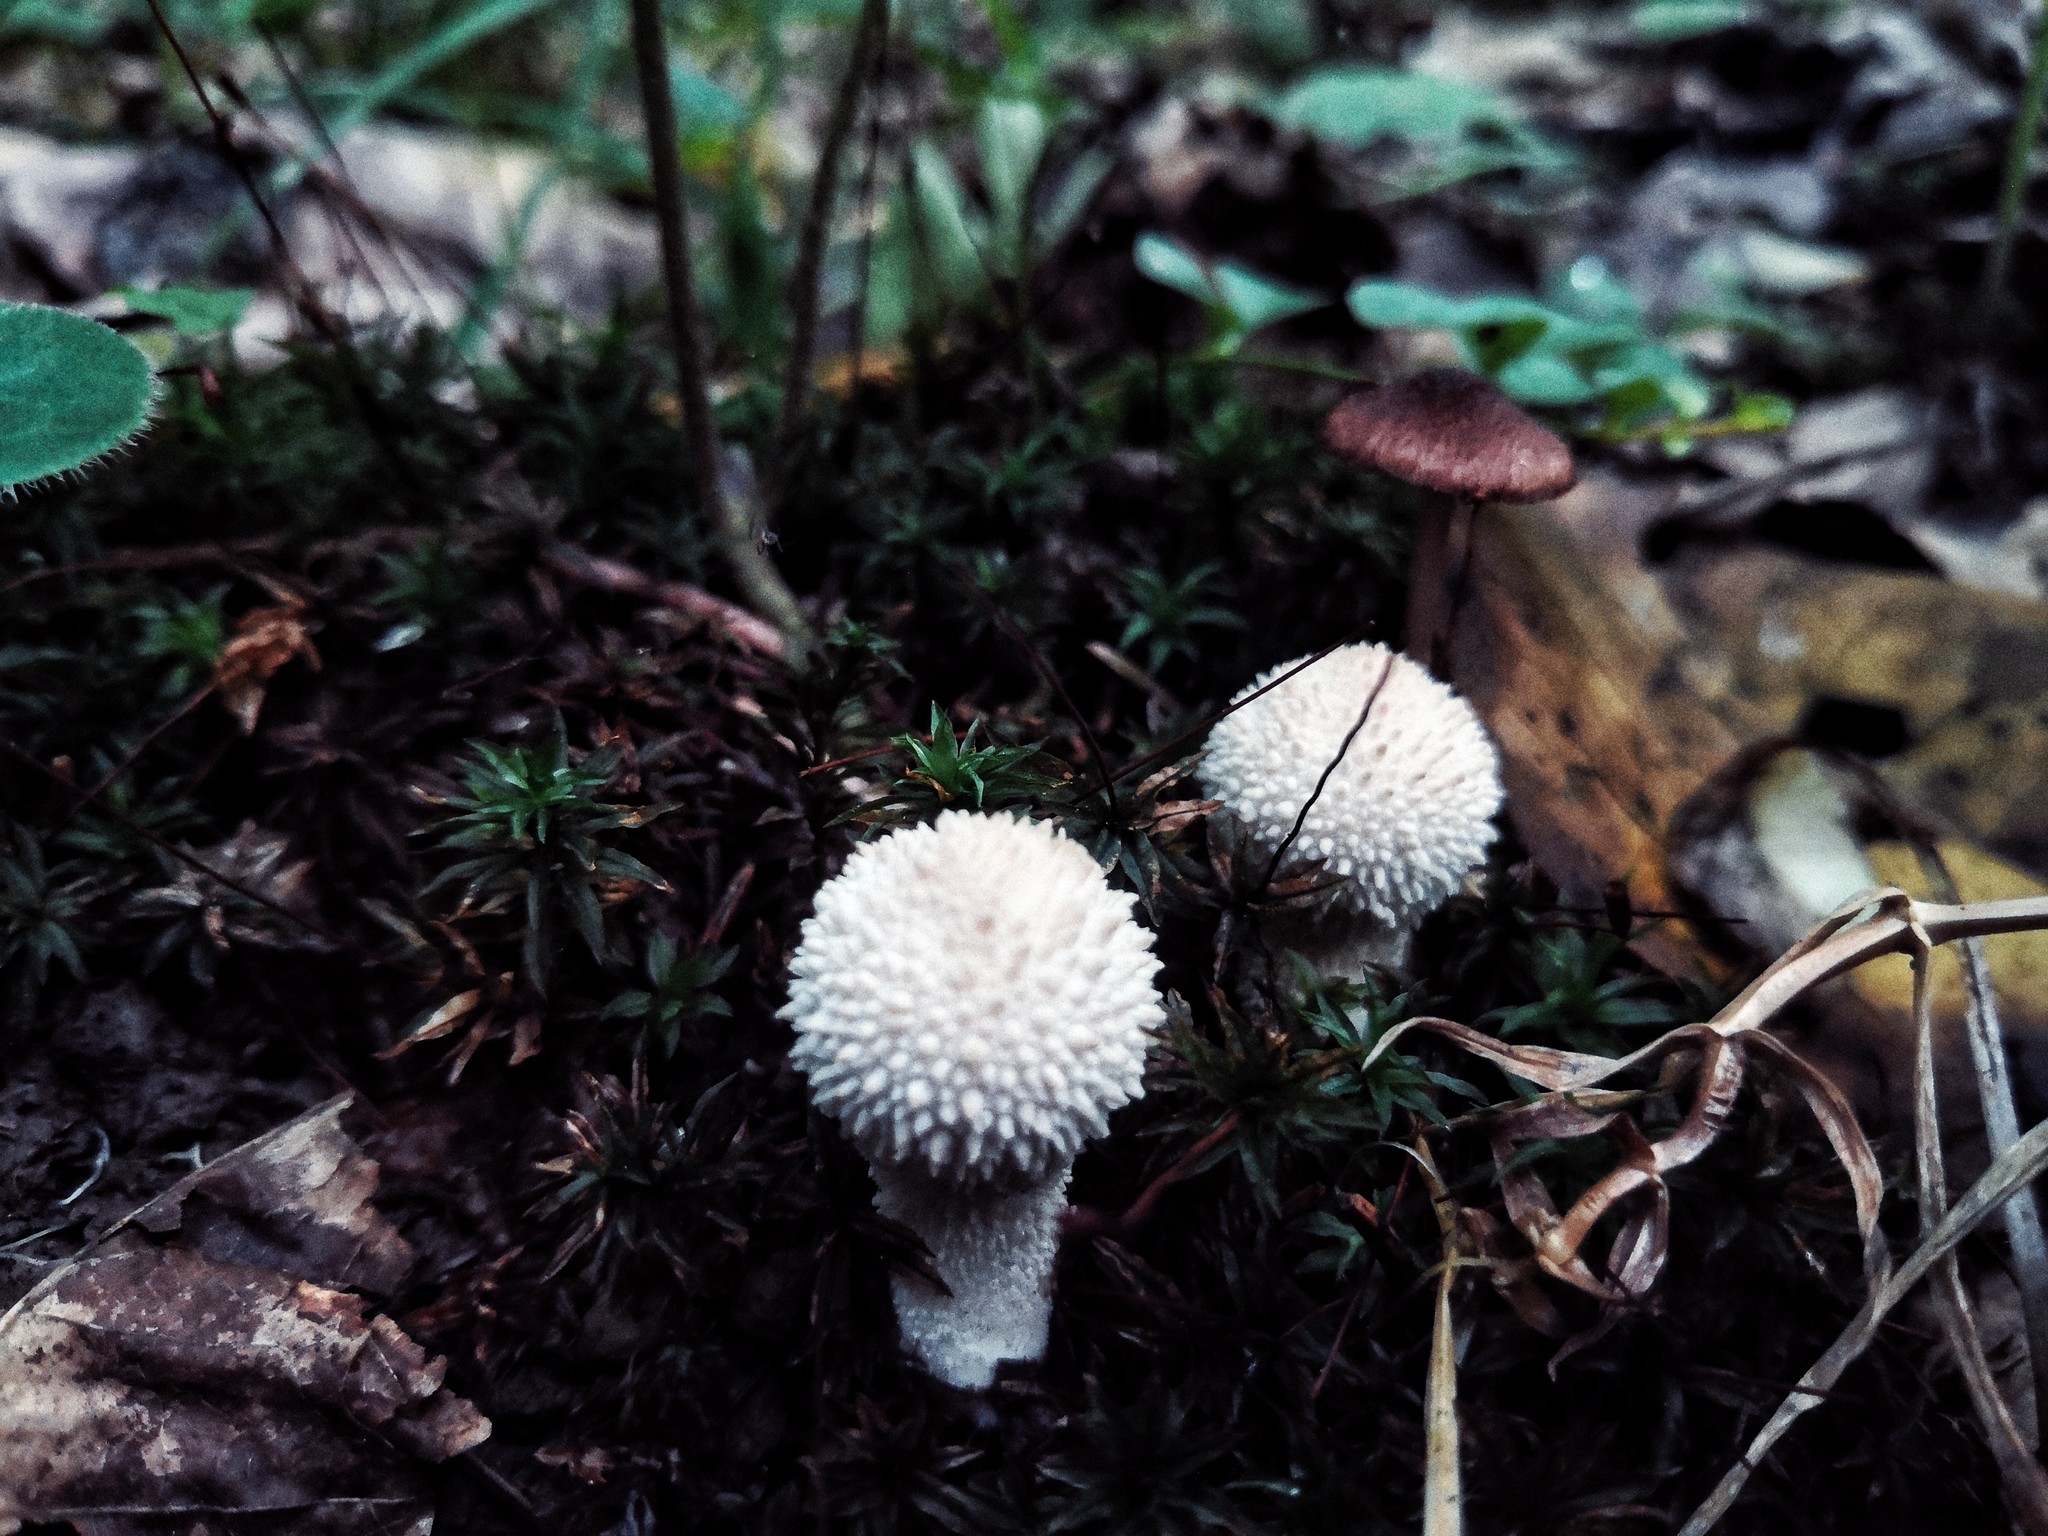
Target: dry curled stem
[[1883, 923]]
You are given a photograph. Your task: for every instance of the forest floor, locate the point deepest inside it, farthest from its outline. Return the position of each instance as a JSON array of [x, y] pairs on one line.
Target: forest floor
[[332, 603]]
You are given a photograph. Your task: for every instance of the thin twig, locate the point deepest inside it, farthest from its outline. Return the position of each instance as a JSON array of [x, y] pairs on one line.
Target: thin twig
[[680, 596], [304, 299], [1276, 362], [810, 254], [1992, 1070], [170, 558], [2019, 1166], [1167, 748], [728, 904], [1086, 1221], [1337, 1344], [503, 1491], [732, 523], [2023, 1231], [865, 203], [2026, 1489], [306, 105], [848, 761], [1301, 819], [134, 753]]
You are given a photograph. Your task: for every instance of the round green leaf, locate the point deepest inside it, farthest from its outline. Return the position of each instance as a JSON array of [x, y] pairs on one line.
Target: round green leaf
[[70, 391]]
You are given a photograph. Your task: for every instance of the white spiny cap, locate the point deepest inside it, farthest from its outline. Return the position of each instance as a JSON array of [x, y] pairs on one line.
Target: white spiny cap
[[971, 999], [1405, 816]]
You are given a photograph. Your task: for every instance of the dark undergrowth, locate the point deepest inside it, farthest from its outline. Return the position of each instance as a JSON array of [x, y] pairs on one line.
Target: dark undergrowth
[[524, 846]]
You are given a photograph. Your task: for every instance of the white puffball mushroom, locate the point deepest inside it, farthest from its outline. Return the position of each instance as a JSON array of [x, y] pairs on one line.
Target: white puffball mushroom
[[971, 999], [1403, 819]]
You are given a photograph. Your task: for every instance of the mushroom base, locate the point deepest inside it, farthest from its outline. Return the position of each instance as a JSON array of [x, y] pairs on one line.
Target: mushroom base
[[1340, 943], [995, 1249]]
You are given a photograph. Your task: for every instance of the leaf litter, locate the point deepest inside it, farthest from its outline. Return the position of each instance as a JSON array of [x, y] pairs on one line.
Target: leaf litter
[[1270, 1320], [214, 1358]]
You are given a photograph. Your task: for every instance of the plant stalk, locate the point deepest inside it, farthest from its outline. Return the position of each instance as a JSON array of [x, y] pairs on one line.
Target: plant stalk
[[810, 253], [732, 520], [2019, 157], [2023, 1230]]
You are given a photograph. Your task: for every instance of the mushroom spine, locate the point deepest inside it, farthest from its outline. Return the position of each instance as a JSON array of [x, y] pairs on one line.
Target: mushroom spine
[[1404, 817], [971, 1000]]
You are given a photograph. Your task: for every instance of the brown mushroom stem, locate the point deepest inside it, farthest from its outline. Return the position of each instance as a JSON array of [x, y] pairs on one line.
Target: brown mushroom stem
[[1439, 573], [1463, 442]]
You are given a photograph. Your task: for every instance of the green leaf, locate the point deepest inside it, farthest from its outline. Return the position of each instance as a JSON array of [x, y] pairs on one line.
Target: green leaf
[[466, 28], [1238, 299], [1013, 136], [1662, 370], [1255, 301], [1757, 413], [65, 21], [1070, 200], [1355, 105], [1797, 269], [194, 312], [283, 15], [952, 236], [1673, 21], [702, 104], [70, 391], [1172, 265], [1495, 329], [1543, 378]]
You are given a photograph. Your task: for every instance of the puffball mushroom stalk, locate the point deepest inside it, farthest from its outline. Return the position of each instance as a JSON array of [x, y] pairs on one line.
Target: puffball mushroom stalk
[[1405, 815], [971, 1000]]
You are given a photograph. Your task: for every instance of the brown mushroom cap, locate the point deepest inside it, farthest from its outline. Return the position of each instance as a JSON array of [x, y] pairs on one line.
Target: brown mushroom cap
[[1452, 431]]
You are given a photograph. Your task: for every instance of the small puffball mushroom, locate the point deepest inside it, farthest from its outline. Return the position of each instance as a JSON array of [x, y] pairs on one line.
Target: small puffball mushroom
[[1457, 436], [1404, 817], [971, 1000], [1451, 431]]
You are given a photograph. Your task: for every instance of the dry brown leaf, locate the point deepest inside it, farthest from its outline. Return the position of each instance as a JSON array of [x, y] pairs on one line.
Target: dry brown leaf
[[1620, 692], [200, 1367], [1565, 645], [264, 640]]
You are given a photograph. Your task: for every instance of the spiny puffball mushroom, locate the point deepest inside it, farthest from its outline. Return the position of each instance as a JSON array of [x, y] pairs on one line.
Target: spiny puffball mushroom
[[1403, 818], [971, 1000], [1452, 431]]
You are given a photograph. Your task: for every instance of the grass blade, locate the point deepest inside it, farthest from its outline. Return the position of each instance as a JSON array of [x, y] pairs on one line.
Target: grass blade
[[2024, 1483], [2001, 1129], [1442, 1494], [2012, 1171]]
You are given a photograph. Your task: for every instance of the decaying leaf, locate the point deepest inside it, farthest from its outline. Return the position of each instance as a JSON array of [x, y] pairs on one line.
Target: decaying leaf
[[201, 1368], [258, 862], [264, 640], [1640, 706], [1565, 646]]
